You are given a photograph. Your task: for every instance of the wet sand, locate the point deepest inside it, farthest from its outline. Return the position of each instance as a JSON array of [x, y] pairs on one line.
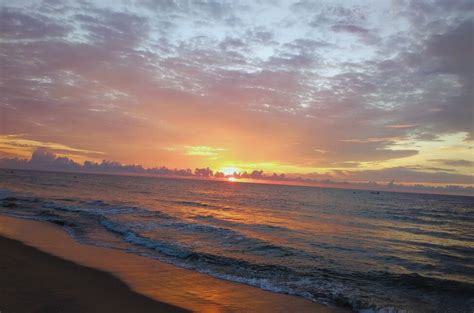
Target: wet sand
[[66, 276]]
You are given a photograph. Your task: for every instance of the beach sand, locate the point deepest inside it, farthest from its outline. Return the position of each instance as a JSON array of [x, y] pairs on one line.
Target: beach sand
[[34, 281], [61, 275]]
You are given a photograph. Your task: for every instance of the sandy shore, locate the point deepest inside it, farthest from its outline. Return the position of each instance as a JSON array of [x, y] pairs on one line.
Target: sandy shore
[[34, 281], [65, 276]]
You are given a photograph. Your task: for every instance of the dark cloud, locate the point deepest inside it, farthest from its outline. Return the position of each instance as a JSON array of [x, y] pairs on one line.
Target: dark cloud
[[16, 25], [404, 174], [452, 52], [113, 30], [232, 43], [465, 163], [42, 160], [260, 35], [207, 11], [165, 6], [350, 29]]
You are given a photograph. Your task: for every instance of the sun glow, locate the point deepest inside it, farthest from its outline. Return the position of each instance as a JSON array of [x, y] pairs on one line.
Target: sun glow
[[229, 170], [232, 179]]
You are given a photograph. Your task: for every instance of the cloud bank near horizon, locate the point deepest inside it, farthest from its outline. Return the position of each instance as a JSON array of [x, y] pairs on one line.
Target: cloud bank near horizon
[[41, 159]]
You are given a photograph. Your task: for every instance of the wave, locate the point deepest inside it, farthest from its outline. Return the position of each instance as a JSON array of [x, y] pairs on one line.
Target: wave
[[101, 208], [319, 285], [256, 226], [224, 236], [234, 269], [432, 233], [132, 237], [102, 211], [192, 203], [198, 204], [4, 193]]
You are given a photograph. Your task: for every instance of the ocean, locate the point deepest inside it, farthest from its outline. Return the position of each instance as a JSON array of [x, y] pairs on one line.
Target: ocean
[[366, 251]]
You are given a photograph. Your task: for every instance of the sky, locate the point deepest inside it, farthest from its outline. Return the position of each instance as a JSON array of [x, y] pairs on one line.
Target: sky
[[341, 90]]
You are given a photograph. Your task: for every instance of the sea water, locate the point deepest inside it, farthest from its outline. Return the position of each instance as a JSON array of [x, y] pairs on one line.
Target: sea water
[[397, 252]]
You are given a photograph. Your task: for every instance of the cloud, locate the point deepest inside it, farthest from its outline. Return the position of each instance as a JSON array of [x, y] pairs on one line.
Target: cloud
[[401, 126], [350, 29], [453, 52], [134, 78], [21, 145], [203, 151], [407, 175], [42, 159], [15, 25], [465, 163], [374, 139]]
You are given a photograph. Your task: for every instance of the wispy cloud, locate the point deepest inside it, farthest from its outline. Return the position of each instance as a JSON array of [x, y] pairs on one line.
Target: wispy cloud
[[203, 151], [401, 126], [20, 145], [464, 163]]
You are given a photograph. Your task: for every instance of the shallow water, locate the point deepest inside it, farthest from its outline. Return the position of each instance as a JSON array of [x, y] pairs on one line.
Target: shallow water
[[349, 248]]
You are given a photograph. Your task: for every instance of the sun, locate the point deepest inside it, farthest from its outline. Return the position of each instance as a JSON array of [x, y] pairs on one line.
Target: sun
[[229, 170], [232, 179]]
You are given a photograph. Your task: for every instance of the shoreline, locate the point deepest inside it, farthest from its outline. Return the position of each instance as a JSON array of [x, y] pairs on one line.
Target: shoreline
[[172, 288]]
